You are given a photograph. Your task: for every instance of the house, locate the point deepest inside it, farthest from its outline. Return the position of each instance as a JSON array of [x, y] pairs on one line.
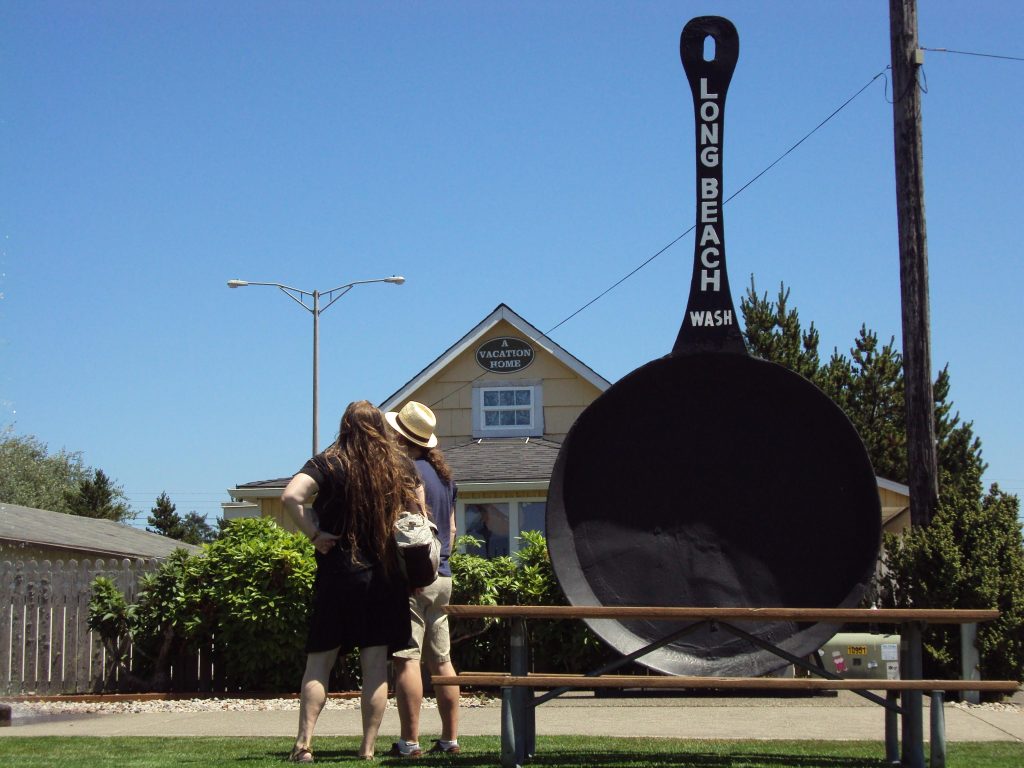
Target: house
[[505, 395], [38, 534]]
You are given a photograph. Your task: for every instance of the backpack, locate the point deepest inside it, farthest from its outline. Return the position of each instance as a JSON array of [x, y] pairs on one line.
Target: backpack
[[419, 548]]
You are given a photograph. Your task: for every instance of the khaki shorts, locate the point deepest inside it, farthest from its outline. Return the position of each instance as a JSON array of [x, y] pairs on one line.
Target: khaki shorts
[[431, 622]]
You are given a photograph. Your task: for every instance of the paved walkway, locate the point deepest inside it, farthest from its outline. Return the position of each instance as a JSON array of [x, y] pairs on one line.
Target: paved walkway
[[843, 717]]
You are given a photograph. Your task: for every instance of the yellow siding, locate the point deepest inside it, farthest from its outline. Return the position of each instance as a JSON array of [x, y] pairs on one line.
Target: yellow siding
[[450, 393]]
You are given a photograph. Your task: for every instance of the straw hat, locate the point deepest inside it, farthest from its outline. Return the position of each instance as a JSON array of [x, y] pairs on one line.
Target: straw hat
[[415, 422]]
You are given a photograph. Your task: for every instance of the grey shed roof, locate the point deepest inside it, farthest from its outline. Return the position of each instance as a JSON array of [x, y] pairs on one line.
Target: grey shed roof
[[40, 527], [503, 459]]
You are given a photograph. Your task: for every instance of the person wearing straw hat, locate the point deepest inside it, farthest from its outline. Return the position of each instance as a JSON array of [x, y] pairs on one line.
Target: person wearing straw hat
[[414, 425]]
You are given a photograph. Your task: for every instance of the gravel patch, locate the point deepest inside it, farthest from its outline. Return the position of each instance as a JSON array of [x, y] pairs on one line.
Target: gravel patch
[[994, 706], [201, 705]]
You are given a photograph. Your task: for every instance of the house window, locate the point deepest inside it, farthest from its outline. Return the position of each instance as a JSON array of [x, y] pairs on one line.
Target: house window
[[507, 411], [498, 525], [511, 407], [488, 523]]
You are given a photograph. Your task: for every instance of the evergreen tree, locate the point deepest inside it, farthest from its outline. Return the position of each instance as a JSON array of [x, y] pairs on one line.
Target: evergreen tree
[[773, 332], [959, 451], [197, 530], [191, 529], [98, 497], [868, 386], [164, 519], [972, 553]]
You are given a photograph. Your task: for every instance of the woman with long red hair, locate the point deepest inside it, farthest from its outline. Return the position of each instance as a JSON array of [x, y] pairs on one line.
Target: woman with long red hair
[[346, 500]]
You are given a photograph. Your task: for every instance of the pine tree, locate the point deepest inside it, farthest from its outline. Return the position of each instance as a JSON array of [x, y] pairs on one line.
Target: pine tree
[[98, 497], [971, 555], [164, 519], [773, 332], [190, 529]]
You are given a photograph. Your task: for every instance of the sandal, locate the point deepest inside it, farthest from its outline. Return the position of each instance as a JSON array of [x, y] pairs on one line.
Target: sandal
[[300, 755]]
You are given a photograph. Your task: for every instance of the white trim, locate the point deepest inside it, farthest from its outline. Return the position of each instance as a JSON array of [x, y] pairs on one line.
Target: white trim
[[534, 429], [242, 494], [233, 510], [501, 312]]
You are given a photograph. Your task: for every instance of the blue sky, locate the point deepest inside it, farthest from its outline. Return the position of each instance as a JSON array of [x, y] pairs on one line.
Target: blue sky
[[531, 153]]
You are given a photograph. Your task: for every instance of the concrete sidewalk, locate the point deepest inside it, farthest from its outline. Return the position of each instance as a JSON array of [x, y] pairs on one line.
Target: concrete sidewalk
[[843, 717]]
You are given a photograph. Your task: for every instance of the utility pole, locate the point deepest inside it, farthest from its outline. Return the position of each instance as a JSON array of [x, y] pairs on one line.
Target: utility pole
[[922, 463]]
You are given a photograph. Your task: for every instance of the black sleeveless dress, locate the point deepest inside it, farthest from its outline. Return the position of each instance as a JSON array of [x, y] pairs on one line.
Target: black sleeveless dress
[[355, 604]]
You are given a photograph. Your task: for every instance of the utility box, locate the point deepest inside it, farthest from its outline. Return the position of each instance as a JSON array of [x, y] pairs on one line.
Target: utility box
[[862, 656]]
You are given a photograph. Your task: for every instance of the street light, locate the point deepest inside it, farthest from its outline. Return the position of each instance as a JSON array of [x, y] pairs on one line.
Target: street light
[[299, 296]]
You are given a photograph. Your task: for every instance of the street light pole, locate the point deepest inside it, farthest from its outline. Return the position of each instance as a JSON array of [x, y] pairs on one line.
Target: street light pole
[[299, 296]]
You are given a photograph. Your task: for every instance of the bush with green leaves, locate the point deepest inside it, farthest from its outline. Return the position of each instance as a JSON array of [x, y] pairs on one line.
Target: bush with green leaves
[[970, 556], [525, 578], [254, 589], [113, 619], [246, 595]]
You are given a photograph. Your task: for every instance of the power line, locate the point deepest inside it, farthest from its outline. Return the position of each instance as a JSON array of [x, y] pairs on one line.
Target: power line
[[636, 269], [972, 53], [733, 195]]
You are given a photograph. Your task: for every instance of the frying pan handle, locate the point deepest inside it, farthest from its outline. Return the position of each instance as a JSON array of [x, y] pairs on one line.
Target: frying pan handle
[[710, 323]]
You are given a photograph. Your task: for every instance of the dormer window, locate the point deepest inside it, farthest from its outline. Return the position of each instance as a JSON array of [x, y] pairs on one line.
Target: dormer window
[[507, 410]]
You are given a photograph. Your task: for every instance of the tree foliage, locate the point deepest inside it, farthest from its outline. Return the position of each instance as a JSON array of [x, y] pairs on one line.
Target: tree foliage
[[30, 476], [246, 595], [867, 384], [98, 497], [972, 553], [970, 556], [191, 529]]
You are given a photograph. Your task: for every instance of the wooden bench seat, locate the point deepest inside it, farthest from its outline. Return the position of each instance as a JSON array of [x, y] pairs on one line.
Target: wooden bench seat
[[902, 700], [500, 680]]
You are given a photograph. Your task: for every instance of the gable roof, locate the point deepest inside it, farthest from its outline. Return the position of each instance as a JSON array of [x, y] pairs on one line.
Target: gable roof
[[501, 312], [40, 527]]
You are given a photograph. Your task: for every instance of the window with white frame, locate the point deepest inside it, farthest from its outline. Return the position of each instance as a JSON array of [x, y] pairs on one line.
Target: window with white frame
[[507, 410]]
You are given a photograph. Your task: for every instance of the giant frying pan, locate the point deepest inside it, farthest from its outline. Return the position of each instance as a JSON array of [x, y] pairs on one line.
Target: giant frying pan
[[708, 477]]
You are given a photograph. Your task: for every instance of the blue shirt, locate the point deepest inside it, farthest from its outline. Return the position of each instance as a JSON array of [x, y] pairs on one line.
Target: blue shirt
[[440, 501]]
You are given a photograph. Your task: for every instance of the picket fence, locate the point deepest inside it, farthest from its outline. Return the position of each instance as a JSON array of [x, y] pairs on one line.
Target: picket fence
[[46, 646]]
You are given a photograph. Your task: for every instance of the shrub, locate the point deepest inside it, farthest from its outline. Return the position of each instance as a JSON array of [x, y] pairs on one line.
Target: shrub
[[970, 556], [525, 578], [253, 591], [247, 595]]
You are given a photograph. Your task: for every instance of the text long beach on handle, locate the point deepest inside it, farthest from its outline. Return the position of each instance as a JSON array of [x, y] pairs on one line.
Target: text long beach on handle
[[709, 324]]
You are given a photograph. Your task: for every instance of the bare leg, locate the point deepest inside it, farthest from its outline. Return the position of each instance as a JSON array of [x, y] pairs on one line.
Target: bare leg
[[408, 696], [314, 693], [447, 701], [374, 699]]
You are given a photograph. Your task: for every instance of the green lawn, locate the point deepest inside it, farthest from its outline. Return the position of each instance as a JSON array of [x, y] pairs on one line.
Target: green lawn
[[553, 752]]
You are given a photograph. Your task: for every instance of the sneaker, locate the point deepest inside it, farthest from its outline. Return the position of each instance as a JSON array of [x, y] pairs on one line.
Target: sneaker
[[454, 749], [396, 751]]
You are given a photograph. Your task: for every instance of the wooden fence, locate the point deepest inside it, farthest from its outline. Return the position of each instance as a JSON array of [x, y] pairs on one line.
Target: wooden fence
[[46, 646]]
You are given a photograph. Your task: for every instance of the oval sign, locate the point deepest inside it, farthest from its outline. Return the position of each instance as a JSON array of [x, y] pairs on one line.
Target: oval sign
[[505, 354]]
